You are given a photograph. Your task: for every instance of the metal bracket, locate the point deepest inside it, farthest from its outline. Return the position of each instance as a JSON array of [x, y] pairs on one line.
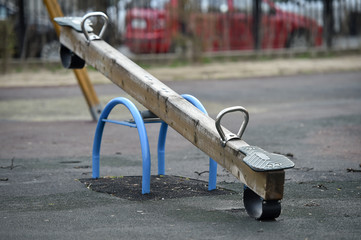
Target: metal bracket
[[147, 116], [226, 137]]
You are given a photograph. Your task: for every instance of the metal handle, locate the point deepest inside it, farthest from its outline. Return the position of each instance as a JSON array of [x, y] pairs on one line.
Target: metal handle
[[226, 138], [94, 14]]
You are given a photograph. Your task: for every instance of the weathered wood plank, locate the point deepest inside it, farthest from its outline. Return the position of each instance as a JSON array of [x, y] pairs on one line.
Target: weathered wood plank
[[186, 119]]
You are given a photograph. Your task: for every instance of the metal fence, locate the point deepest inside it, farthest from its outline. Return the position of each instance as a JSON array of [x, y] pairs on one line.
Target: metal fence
[[192, 26]]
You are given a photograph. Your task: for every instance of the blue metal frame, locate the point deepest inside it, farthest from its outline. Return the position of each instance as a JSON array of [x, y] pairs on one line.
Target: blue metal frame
[[142, 137], [212, 181], [139, 124]]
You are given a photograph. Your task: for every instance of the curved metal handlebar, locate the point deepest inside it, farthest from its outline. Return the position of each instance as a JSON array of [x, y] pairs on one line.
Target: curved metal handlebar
[[226, 138], [94, 14]]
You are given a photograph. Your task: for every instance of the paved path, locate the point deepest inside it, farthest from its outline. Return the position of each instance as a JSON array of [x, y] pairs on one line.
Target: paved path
[[215, 70], [46, 138]]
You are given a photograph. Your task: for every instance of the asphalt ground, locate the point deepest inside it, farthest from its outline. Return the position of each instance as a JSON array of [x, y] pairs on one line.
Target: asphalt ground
[[46, 139]]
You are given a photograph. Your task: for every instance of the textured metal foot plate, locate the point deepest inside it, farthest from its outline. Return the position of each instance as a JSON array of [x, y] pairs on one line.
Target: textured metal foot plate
[[73, 22], [260, 160]]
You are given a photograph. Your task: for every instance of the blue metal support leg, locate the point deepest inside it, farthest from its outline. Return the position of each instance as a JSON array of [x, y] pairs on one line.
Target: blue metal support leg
[[142, 137], [161, 146], [212, 181]]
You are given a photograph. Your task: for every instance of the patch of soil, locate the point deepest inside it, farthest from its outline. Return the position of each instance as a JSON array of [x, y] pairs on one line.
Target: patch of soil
[[161, 187]]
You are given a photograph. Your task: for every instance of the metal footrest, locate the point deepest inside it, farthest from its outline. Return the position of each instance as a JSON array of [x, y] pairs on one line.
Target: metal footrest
[[260, 160], [74, 22]]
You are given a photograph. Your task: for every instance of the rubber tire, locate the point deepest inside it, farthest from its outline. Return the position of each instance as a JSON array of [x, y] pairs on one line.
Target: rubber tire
[[258, 208]]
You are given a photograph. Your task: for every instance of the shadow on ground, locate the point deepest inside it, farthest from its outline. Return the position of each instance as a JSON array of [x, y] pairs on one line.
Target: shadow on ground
[[162, 187]]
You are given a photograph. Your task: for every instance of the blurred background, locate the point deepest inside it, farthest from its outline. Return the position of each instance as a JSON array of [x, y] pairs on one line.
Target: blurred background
[[188, 29]]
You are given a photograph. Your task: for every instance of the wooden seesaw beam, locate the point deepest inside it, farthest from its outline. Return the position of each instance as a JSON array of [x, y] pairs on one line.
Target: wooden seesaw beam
[[177, 112]]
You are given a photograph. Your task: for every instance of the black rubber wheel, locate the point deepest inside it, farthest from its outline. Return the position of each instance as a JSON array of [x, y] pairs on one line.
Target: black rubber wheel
[[69, 59], [260, 209]]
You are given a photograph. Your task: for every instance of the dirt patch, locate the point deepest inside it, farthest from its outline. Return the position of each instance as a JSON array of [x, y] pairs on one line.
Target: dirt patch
[[161, 187]]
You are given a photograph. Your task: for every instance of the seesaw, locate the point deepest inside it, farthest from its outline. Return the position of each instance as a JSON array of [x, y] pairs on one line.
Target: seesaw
[[261, 172]]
